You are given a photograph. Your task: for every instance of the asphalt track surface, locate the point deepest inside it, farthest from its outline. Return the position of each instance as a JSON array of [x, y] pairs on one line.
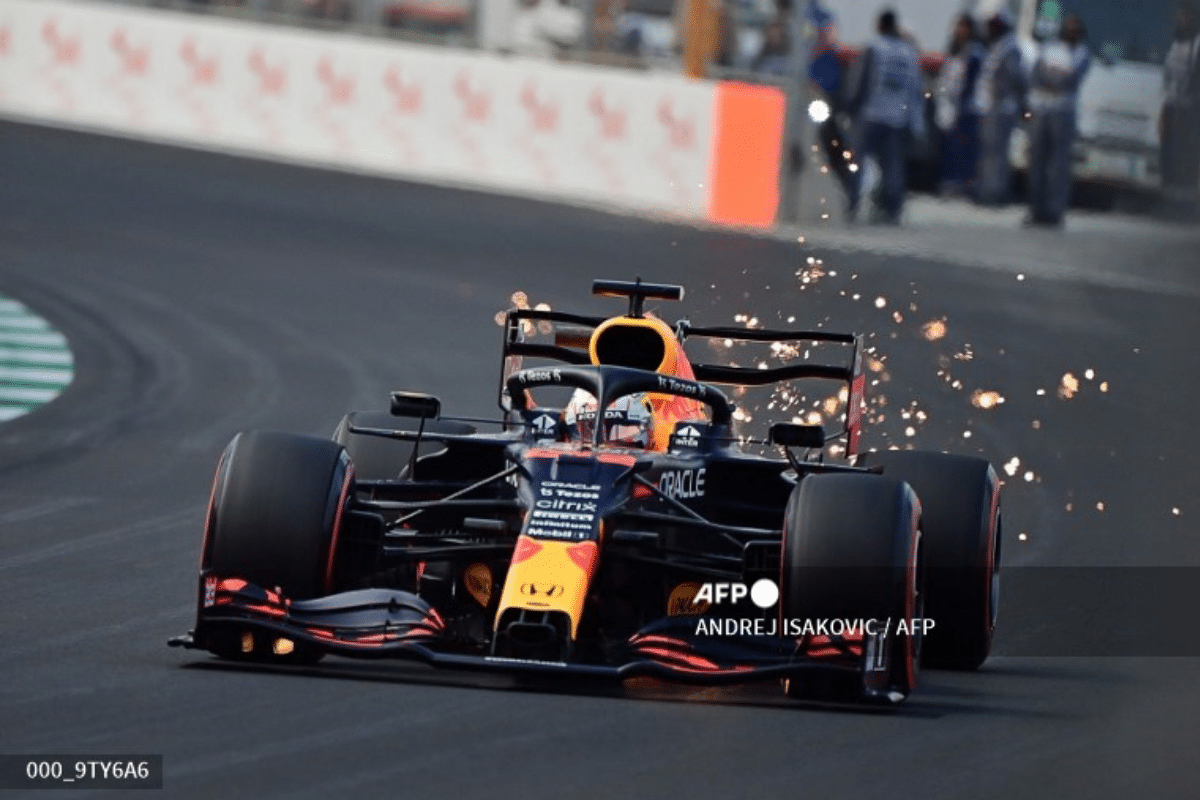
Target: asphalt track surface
[[204, 294]]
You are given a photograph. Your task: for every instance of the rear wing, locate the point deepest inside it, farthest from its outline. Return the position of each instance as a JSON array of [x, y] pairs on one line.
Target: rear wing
[[849, 372], [572, 332]]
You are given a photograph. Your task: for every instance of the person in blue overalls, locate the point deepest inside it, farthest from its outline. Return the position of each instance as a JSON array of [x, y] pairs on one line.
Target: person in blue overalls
[[888, 105], [1001, 100], [956, 109], [1179, 123], [1058, 71]]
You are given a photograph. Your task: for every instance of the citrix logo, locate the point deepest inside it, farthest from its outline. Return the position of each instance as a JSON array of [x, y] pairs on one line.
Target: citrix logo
[[764, 593]]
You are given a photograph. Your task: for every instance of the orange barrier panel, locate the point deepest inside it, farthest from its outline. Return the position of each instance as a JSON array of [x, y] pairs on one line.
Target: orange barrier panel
[[747, 140]]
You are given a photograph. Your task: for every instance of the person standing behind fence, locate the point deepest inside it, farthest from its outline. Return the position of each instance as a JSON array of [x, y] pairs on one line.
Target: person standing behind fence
[[825, 77], [1179, 123], [1058, 71], [825, 73], [888, 103], [956, 109], [774, 55], [1001, 98], [541, 28]]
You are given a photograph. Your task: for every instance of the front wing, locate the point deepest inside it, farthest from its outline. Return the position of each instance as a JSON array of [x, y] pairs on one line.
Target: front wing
[[386, 623]]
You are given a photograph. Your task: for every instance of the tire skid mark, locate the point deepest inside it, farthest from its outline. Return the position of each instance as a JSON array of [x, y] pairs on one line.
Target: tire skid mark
[[32, 512], [104, 538], [134, 625]]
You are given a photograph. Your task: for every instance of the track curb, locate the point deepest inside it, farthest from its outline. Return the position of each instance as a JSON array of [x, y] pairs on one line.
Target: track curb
[[36, 362]]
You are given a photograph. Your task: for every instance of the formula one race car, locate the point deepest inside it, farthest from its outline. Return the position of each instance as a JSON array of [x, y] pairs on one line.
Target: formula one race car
[[621, 530]]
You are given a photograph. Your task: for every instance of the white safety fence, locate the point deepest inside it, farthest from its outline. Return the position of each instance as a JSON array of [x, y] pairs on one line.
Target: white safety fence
[[586, 134]]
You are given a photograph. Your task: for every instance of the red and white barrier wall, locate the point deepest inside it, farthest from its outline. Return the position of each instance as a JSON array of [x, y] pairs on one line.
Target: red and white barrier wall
[[694, 149]]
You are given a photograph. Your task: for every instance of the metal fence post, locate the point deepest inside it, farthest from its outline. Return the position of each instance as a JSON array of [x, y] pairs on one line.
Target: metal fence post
[[797, 132], [586, 39]]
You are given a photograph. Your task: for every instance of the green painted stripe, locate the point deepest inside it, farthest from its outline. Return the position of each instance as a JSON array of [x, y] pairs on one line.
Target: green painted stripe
[[23, 323], [36, 363], [19, 355], [33, 338], [29, 394], [8, 412], [23, 375]]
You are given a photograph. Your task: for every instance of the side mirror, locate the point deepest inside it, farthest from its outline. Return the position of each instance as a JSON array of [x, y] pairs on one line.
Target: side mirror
[[415, 404], [789, 434]]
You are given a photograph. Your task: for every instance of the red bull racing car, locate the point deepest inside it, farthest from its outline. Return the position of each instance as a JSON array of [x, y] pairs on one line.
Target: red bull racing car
[[613, 527]]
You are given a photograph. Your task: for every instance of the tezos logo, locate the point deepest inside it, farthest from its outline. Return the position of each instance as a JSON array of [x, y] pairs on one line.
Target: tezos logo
[[764, 593], [541, 376]]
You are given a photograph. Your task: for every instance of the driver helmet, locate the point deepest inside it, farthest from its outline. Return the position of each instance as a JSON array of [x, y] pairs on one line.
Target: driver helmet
[[628, 419]]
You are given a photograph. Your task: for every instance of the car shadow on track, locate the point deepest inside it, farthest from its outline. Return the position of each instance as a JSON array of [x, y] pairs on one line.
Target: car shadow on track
[[934, 700]]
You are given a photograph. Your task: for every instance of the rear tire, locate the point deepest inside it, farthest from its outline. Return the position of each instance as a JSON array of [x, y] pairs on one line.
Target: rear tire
[[960, 508], [852, 550]]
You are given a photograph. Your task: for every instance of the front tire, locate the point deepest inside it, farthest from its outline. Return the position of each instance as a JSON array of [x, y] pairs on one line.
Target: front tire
[[960, 502], [274, 520], [852, 550], [276, 512]]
